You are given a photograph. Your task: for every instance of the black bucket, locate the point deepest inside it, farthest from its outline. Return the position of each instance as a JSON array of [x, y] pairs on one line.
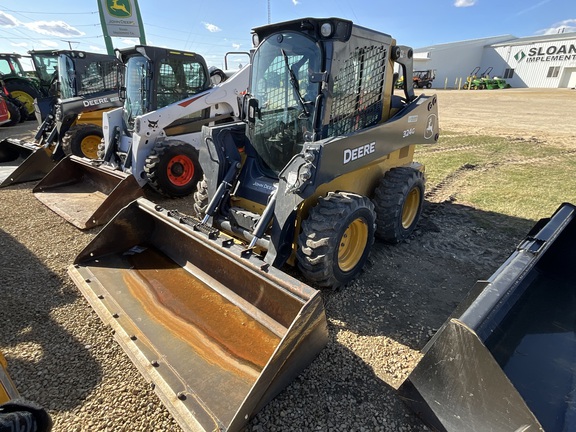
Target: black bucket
[[22, 161]]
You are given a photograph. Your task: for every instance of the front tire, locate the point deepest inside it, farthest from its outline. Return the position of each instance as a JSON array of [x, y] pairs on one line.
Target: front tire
[[173, 169], [398, 200], [336, 239], [201, 198], [25, 93], [83, 140]]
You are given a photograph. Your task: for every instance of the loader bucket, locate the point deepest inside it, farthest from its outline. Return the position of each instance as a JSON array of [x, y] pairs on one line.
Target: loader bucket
[[84, 193], [506, 359], [22, 161], [217, 332]]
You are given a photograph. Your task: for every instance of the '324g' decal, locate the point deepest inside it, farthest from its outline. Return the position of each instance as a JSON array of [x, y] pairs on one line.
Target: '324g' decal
[[408, 132]]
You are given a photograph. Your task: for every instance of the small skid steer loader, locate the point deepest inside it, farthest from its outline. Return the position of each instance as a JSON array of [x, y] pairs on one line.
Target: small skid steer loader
[[152, 140], [84, 86], [217, 329]]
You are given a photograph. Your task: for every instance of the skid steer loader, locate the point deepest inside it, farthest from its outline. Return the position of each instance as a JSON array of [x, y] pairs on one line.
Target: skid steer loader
[[84, 86], [506, 358], [218, 330], [324, 162], [152, 140]]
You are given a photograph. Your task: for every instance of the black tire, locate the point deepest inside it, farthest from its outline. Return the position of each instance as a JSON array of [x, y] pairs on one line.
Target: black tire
[[398, 200], [429, 85], [101, 149], [14, 113], [21, 108], [172, 168], [25, 93], [83, 140], [201, 198], [336, 239]]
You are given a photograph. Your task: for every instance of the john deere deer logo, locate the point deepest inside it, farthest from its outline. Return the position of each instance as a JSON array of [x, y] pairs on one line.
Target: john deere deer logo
[[119, 8]]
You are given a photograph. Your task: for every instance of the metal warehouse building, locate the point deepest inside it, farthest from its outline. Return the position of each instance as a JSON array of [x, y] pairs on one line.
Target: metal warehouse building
[[538, 62]]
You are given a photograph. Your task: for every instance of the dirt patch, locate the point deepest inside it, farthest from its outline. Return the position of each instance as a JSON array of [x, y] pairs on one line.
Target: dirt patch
[[544, 115], [64, 358]]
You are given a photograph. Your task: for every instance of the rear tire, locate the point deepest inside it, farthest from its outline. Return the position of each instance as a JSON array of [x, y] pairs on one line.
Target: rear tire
[[83, 140], [336, 239], [172, 168], [398, 200], [15, 115]]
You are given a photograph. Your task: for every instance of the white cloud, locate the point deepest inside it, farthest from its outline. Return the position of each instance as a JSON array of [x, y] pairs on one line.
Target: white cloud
[[7, 20], [53, 28], [565, 26], [47, 28], [295, 2], [19, 44], [236, 46], [212, 28], [464, 3]]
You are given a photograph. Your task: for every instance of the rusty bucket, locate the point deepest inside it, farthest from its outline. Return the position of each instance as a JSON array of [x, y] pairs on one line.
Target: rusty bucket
[[218, 332]]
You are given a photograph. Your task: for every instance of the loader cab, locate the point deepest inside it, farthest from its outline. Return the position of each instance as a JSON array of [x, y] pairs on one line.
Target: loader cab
[[158, 77], [46, 66], [81, 74], [10, 65], [313, 79]]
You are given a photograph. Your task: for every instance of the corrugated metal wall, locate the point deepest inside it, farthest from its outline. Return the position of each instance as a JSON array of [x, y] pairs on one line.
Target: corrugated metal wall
[[550, 64]]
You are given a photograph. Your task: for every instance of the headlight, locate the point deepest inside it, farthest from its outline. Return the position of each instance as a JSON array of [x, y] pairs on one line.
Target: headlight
[[326, 30]]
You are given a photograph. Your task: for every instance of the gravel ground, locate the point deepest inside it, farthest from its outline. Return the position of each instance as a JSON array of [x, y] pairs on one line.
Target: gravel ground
[[61, 355]]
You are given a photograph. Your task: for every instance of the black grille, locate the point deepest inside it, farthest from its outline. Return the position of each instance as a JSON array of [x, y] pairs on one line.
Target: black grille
[[98, 77], [358, 89]]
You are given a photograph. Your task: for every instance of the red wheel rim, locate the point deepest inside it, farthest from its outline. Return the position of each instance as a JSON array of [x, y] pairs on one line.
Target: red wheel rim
[[180, 170]]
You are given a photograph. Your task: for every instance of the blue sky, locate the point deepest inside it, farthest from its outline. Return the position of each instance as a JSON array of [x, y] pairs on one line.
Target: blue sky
[[212, 28]]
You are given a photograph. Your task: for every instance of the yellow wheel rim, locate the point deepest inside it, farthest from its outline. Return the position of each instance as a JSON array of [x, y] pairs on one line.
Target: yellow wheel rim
[[410, 209], [352, 245], [25, 98], [89, 146]]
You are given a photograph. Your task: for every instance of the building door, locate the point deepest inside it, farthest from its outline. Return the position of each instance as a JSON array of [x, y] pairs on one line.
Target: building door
[[568, 78]]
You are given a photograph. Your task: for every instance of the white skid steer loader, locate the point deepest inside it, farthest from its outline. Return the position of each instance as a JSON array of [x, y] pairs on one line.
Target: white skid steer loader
[[152, 140]]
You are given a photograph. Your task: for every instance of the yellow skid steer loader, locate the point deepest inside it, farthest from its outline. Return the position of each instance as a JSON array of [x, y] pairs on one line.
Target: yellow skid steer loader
[[88, 83], [218, 329]]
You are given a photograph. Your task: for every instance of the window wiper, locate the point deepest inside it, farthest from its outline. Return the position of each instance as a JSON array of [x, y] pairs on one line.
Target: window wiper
[[295, 85]]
